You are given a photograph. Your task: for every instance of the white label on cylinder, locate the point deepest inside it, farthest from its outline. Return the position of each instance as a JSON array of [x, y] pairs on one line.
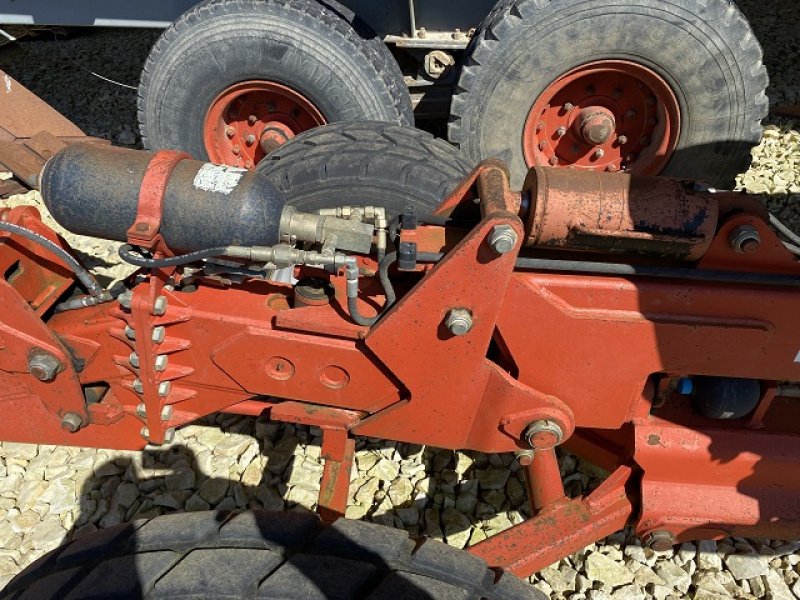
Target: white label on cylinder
[[218, 178]]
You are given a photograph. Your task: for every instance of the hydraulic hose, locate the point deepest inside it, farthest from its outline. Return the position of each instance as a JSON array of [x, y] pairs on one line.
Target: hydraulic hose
[[84, 276], [134, 257], [388, 290]]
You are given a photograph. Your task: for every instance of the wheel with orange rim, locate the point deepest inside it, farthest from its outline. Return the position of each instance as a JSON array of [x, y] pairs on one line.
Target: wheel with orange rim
[[232, 81], [642, 86], [249, 120], [605, 116]]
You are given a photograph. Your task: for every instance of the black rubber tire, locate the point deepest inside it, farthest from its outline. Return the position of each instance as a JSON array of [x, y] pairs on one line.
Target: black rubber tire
[[366, 164], [317, 48], [705, 50], [286, 555]]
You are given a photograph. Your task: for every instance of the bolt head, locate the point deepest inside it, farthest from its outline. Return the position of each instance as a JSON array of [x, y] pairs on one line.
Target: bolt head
[[251, 120], [599, 153], [167, 412], [161, 362], [134, 360], [158, 334], [164, 388], [71, 422], [459, 321], [553, 161], [659, 540], [130, 333], [141, 409], [125, 299], [503, 239], [561, 131], [137, 386], [160, 306], [230, 131], [43, 365], [169, 435], [622, 140], [568, 106]]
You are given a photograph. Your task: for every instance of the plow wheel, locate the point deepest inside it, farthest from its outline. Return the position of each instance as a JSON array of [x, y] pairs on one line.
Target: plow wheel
[[261, 555], [366, 164], [647, 87], [232, 81]]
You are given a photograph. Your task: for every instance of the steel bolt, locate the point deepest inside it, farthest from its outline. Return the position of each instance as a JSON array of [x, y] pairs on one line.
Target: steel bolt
[[745, 239], [137, 386], [130, 333], [71, 422], [599, 153], [141, 409], [125, 299], [611, 168], [158, 334], [167, 412], [236, 150], [169, 436], [539, 127], [659, 540], [568, 106], [134, 360], [458, 321], [561, 131], [164, 388], [524, 457], [553, 161], [543, 434], [250, 139], [542, 145], [230, 131], [161, 362], [503, 239], [251, 120], [145, 433], [622, 140], [43, 366], [160, 306]]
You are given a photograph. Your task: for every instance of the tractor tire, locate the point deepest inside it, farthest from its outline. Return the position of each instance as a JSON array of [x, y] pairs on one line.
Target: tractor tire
[[366, 164], [286, 555], [684, 80], [232, 79]]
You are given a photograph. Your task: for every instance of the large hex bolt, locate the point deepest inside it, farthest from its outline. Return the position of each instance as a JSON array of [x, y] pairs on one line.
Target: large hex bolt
[[745, 239], [543, 434], [503, 239], [71, 422], [458, 321], [43, 365]]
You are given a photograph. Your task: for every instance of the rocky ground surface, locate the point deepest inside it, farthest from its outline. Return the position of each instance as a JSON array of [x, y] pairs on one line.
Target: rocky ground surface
[[50, 494]]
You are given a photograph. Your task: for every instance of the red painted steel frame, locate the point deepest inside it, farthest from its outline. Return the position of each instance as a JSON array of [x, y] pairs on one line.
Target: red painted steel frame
[[582, 350]]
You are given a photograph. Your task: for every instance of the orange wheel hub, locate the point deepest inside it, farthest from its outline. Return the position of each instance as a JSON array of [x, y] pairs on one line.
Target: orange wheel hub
[[249, 120], [606, 116]]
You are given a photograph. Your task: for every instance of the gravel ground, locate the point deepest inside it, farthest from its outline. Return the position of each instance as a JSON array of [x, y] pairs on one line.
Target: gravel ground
[[49, 494]]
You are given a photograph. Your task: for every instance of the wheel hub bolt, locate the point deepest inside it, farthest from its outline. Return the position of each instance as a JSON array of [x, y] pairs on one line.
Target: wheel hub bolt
[[230, 131], [596, 125], [459, 321], [553, 161], [250, 139], [542, 145], [236, 150], [251, 120], [71, 422], [568, 106], [561, 131], [611, 168], [43, 366], [622, 140], [543, 434], [599, 153], [503, 239], [631, 114], [745, 239]]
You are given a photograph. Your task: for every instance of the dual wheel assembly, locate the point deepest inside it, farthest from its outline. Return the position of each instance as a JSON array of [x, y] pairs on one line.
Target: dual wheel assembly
[[670, 87]]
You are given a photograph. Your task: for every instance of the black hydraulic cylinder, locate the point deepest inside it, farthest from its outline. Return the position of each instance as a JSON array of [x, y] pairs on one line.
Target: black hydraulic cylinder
[[94, 190]]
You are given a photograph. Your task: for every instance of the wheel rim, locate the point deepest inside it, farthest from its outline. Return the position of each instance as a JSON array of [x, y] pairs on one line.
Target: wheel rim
[[604, 116], [250, 119]]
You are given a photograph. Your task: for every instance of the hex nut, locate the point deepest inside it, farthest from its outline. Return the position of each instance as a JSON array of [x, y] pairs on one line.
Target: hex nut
[[160, 306], [71, 422], [459, 321], [158, 334], [745, 239], [43, 365], [125, 299], [503, 239], [543, 434], [660, 540]]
